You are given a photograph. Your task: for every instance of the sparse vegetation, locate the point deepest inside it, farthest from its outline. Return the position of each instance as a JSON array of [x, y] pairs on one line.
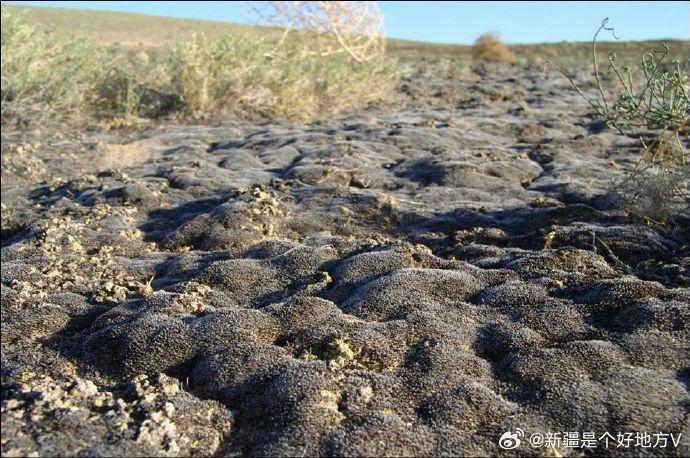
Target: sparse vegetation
[[253, 77], [658, 101], [42, 76], [655, 108], [490, 48], [199, 77]]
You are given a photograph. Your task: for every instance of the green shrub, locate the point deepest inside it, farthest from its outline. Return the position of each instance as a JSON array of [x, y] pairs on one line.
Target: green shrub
[[655, 108], [659, 100], [131, 88], [198, 78], [42, 76], [249, 77]]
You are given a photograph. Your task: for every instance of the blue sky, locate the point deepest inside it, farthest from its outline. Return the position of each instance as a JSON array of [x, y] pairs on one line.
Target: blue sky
[[462, 22]]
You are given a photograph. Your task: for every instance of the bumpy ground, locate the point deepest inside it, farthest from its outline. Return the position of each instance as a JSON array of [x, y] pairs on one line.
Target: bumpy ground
[[412, 282]]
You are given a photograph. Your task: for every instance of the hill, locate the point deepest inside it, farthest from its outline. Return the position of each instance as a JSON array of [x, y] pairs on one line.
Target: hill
[[144, 31]]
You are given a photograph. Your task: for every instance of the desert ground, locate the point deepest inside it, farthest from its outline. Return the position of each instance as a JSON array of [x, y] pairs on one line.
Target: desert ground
[[413, 279]]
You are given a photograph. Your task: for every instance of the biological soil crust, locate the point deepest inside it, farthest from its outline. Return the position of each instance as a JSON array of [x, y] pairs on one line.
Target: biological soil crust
[[403, 282]]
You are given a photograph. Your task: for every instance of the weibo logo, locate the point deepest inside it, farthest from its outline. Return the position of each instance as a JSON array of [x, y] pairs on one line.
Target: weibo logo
[[509, 441]]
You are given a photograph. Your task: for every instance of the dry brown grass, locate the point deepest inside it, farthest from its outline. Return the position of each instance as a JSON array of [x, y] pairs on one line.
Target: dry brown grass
[[489, 48]]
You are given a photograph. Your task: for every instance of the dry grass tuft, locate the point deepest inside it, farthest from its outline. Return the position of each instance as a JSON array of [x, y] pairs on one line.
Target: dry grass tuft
[[656, 193], [489, 48], [659, 186]]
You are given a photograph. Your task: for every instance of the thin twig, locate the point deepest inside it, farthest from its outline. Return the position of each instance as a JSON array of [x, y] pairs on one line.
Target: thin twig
[[626, 268]]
